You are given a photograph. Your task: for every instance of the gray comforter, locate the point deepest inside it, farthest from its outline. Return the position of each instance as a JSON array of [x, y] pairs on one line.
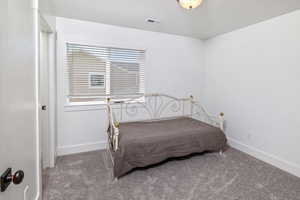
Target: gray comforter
[[145, 143]]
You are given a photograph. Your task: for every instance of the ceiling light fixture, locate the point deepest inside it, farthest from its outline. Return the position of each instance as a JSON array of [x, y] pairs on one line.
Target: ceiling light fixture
[[189, 4]]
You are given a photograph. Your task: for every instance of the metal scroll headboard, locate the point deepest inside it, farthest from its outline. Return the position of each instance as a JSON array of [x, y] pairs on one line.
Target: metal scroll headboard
[[158, 106], [152, 106]]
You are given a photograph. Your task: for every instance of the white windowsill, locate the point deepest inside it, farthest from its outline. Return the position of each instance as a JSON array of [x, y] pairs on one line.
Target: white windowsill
[[84, 106], [92, 105], [88, 103]]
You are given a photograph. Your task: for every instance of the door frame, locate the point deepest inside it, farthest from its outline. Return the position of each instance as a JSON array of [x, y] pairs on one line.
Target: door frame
[[46, 29]]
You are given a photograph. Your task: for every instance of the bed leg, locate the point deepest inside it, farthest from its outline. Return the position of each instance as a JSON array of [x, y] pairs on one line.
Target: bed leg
[[221, 152], [114, 179]]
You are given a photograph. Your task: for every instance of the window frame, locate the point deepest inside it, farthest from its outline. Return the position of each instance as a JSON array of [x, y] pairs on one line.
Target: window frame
[[99, 104]]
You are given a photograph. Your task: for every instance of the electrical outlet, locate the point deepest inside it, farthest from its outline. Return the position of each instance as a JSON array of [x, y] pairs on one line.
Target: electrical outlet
[[249, 136]]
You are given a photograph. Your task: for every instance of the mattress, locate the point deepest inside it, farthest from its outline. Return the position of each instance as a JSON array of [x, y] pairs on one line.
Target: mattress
[[145, 143]]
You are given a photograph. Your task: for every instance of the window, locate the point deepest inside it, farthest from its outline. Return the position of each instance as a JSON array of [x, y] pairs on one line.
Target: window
[[94, 73]]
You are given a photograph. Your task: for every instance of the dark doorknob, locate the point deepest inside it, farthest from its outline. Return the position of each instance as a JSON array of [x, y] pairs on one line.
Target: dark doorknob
[[18, 177], [7, 177]]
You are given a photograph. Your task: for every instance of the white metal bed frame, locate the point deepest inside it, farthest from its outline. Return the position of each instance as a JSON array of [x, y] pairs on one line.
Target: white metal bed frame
[[154, 105]]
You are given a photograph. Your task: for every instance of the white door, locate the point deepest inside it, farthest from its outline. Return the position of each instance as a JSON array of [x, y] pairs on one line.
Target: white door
[[19, 140]]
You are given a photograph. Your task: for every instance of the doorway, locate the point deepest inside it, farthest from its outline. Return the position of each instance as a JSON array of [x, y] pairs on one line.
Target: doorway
[[47, 94]]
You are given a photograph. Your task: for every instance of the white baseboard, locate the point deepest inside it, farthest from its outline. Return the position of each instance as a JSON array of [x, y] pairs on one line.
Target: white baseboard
[[80, 148], [280, 163]]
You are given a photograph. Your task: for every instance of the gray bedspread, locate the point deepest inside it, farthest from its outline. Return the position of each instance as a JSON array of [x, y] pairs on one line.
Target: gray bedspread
[[145, 143]]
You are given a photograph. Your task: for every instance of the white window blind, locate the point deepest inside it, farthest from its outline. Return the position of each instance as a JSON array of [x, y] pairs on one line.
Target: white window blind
[[95, 72]]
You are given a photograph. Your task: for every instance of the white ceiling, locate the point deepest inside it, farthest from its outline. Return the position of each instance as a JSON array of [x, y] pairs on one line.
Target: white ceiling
[[213, 17]]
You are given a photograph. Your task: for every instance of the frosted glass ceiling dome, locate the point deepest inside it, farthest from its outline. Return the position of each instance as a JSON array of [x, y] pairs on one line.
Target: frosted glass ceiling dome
[[189, 4]]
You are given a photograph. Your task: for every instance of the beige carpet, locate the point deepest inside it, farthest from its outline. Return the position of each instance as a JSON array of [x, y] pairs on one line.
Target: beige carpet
[[234, 176]]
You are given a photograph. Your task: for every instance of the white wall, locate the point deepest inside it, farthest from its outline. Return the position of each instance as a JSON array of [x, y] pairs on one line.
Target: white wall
[[252, 75], [173, 66]]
